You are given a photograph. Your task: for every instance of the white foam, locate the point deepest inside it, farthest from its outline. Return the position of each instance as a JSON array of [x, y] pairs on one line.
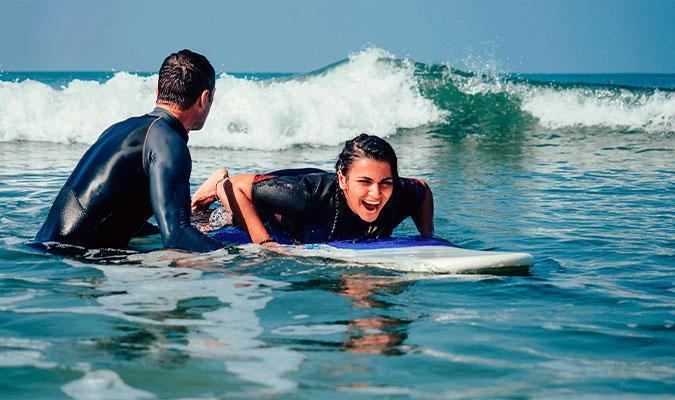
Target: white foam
[[609, 369], [457, 358], [458, 314], [576, 107], [24, 358], [310, 330], [370, 390], [77, 113], [103, 385], [17, 299], [23, 279], [557, 108], [23, 343], [369, 92]]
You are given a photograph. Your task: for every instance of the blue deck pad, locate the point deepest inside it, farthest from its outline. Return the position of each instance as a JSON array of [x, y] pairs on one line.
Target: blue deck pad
[[231, 234], [391, 242]]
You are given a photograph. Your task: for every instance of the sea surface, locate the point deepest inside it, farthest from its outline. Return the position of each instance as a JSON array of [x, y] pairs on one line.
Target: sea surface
[[577, 170]]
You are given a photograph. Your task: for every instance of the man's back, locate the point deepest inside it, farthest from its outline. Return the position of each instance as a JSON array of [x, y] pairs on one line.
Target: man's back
[[106, 198]]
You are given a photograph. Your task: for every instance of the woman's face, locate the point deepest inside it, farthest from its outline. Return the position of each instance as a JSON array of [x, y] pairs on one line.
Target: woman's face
[[367, 187]]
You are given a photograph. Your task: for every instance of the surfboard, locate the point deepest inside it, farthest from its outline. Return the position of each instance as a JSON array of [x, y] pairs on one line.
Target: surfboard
[[421, 258], [406, 254]]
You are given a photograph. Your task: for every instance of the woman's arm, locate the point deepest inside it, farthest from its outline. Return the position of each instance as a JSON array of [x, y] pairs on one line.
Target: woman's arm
[[238, 191], [424, 217]]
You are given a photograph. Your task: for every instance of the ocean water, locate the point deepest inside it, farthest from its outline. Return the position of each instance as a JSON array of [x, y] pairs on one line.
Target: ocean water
[[575, 169]]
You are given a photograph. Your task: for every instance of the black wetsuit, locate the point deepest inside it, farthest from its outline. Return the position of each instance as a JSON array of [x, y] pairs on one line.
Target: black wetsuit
[[313, 208], [136, 168]]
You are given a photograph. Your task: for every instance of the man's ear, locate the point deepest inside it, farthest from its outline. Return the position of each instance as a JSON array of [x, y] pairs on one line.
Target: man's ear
[[342, 180], [204, 98]]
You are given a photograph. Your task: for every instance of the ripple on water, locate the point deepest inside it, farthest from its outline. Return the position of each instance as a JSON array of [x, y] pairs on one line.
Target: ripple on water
[[594, 317]]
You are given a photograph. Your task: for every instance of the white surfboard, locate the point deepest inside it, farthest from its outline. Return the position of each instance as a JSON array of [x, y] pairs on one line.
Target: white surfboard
[[431, 259], [406, 254]]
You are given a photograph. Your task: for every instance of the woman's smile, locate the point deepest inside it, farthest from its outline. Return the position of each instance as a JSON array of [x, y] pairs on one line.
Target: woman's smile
[[367, 187]]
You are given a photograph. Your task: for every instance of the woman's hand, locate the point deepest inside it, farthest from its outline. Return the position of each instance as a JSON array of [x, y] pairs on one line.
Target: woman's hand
[[275, 247], [206, 194]]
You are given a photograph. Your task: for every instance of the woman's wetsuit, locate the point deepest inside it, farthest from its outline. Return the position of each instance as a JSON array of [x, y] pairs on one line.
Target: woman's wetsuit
[[312, 207]]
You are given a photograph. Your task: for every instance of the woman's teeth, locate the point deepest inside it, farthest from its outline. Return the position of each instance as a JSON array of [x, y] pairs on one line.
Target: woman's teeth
[[371, 205]]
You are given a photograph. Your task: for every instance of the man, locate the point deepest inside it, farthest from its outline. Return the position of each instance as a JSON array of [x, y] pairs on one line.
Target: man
[[140, 167]]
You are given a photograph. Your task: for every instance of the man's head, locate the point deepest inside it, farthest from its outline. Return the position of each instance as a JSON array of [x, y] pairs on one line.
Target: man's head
[[187, 82]]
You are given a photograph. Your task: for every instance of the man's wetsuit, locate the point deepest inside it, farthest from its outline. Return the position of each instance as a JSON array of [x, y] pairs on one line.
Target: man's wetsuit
[[136, 168], [313, 208]]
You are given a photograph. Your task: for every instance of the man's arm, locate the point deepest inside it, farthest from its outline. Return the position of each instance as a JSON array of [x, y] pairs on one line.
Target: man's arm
[[146, 230], [169, 165]]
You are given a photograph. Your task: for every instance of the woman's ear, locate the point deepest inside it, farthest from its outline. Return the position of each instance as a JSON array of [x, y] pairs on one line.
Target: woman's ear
[[342, 180]]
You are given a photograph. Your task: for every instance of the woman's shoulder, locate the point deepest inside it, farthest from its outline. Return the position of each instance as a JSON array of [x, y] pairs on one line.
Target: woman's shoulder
[[412, 191], [292, 173], [307, 184], [299, 176], [413, 184]]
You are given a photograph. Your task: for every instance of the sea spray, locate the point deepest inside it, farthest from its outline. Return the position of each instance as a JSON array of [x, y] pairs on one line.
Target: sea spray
[[77, 113], [369, 91], [492, 104], [621, 108]]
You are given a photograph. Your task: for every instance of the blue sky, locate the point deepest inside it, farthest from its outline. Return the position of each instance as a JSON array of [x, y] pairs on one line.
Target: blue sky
[[298, 36]]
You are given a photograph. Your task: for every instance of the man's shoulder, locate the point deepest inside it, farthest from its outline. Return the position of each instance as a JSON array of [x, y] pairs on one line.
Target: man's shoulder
[[129, 124], [165, 145], [136, 120], [161, 129], [130, 131]]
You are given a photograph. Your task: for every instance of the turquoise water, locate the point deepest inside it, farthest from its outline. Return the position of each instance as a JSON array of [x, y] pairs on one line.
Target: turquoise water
[[579, 173]]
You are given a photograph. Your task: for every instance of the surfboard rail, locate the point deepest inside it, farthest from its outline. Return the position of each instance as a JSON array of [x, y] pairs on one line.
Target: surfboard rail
[[431, 259]]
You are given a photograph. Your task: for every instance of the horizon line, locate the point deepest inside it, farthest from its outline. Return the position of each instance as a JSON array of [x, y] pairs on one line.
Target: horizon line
[[307, 72]]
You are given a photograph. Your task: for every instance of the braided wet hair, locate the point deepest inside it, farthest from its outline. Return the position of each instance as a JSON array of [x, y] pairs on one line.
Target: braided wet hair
[[370, 146], [364, 145]]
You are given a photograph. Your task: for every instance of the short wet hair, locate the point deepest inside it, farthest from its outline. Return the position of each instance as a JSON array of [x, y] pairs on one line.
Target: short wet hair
[[183, 77], [369, 146]]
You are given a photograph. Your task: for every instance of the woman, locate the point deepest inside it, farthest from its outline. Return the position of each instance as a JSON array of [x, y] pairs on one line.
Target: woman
[[364, 199]]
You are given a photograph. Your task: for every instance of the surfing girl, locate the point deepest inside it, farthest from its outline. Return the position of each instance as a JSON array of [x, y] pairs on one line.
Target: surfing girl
[[365, 198]]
